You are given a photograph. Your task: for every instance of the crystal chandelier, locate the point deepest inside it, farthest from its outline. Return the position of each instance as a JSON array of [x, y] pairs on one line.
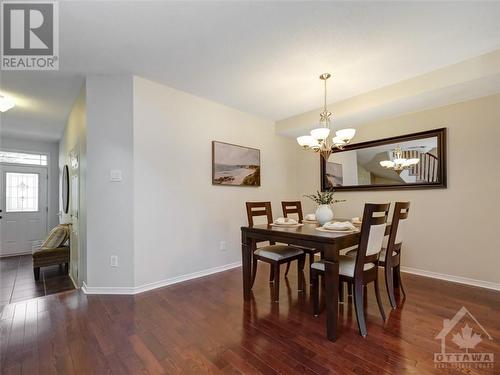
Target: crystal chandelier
[[399, 163], [318, 141]]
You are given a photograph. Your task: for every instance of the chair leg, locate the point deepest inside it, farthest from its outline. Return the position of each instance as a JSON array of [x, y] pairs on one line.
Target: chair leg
[[311, 261], [349, 289], [66, 269], [36, 272], [271, 274], [315, 292], [276, 267], [341, 292], [300, 272], [287, 269], [379, 300], [254, 271], [395, 278], [388, 272], [398, 272], [358, 307]]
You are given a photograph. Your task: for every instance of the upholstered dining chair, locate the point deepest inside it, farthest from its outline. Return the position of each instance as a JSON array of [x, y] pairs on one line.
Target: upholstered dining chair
[[393, 246], [362, 269], [295, 208], [275, 255], [392, 263]]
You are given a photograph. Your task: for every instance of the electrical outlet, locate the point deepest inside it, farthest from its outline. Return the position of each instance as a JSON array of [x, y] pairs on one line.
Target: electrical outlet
[[114, 261], [222, 246]]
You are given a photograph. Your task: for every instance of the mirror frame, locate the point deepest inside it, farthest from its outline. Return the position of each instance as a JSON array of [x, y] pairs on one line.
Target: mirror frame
[[65, 189], [441, 141]]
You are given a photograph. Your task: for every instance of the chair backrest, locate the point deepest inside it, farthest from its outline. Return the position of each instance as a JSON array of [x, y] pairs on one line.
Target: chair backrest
[[255, 209], [398, 226], [372, 234], [294, 207]]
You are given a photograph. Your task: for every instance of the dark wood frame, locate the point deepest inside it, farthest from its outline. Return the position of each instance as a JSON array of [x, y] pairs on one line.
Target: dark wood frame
[[361, 277], [442, 174], [65, 188], [213, 164]]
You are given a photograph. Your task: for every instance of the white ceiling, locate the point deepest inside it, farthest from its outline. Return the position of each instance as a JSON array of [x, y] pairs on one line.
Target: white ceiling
[[260, 57]]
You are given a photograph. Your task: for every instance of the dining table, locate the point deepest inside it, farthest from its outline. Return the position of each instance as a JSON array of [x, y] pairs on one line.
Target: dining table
[[330, 244]]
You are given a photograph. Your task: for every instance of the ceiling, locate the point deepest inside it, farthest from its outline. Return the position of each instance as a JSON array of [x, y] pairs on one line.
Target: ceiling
[[260, 57]]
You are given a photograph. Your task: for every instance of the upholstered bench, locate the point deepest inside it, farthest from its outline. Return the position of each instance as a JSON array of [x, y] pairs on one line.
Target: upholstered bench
[[50, 257], [54, 250]]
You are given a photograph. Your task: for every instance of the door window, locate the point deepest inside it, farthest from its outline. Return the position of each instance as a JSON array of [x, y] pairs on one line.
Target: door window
[[23, 158], [21, 192]]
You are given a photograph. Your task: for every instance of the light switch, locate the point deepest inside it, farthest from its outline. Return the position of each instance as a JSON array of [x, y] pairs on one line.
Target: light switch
[[115, 175]]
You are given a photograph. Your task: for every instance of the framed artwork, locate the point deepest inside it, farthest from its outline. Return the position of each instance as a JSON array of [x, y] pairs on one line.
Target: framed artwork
[[235, 165]]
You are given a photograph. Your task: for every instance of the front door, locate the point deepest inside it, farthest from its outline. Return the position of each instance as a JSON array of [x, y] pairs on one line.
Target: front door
[[23, 204]]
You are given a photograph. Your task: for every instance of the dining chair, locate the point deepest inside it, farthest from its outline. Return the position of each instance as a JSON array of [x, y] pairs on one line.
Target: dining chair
[[392, 263], [295, 207], [362, 269], [392, 271], [273, 254]]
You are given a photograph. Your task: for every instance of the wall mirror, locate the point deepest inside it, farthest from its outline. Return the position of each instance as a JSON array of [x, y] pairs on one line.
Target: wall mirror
[[412, 161], [65, 189]]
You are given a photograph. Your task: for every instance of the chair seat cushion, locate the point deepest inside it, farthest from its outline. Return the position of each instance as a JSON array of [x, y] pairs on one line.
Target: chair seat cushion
[[278, 252], [58, 251], [346, 265]]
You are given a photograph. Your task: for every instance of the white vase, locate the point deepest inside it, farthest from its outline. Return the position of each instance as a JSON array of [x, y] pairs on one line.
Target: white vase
[[324, 213]]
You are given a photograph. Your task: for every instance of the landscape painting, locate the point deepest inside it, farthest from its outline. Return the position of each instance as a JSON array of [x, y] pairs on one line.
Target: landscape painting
[[235, 165]]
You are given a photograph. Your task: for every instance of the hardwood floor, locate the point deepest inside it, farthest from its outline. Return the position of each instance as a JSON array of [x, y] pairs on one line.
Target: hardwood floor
[[203, 326], [18, 284]]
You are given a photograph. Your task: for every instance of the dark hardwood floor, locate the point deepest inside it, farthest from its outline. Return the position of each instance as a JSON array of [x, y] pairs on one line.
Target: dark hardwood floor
[[203, 326], [17, 282]]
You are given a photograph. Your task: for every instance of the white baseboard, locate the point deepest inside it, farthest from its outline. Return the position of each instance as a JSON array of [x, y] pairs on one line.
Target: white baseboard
[[16, 254], [454, 279], [158, 284]]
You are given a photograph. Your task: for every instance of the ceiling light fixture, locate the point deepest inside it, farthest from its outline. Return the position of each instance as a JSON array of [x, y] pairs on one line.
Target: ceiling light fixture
[[318, 141], [399, 163], [6, 103]]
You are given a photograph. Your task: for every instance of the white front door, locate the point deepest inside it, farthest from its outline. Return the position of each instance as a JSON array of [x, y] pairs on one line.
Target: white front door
[[23, 204]]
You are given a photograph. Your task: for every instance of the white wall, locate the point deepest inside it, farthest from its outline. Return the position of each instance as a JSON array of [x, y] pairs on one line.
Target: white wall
[[109, 103], [180, 218], [349, 161], [52, 149], [454, 230], [75, 139]]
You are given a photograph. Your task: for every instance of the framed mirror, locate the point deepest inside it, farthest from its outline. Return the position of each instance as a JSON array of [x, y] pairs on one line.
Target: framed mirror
[[65, 189], [412, 161]]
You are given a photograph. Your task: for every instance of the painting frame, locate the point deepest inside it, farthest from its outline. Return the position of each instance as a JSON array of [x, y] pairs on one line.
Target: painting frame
[[252, 179]]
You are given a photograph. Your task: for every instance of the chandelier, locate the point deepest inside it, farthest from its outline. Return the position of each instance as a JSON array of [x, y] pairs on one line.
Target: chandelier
[[399, 163], [318, 141]]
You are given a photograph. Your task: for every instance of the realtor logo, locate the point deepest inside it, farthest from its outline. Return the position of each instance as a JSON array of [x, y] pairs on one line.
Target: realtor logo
[[30, 35], [459, 332]]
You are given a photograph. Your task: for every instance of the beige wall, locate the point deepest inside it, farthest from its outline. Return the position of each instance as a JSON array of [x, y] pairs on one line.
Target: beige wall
[[454, 230], [74, 139], [180, 218]]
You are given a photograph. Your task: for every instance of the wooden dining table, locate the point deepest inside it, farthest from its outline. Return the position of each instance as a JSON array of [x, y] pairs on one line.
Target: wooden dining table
[[329, 243]]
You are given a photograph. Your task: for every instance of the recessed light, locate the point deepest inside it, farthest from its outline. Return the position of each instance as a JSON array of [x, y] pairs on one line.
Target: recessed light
[[6, 103]]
